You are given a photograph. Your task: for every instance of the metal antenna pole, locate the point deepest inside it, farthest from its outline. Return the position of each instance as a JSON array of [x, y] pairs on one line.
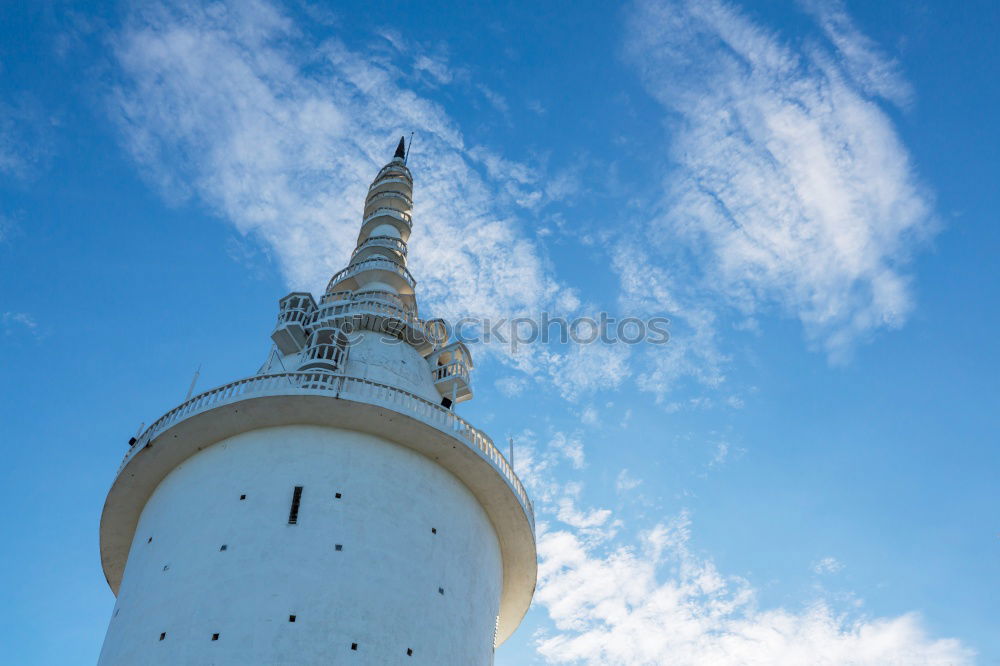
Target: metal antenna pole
[[408, 146], [194, 380], [510, 458]]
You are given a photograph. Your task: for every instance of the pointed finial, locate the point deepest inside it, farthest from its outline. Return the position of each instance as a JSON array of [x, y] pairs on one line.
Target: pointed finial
[[401, 148]]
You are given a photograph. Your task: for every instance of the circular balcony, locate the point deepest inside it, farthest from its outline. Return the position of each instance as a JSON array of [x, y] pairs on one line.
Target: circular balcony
[[379, 312], [391, 184], [382, 245], [339, 401], [360, 389], [406, 302], [374, 269], [400, 220], [334, 296], [396, 200], [395, 168]]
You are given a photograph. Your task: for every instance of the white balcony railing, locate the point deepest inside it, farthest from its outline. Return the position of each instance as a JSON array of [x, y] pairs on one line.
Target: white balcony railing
[[295, 315], [453, 369], [348, 388], [391, 180], [387, 242], [407, 325], [373, 264], [389, 212], [388, 168], [373, 302], [388, 296], [385, 197], [322, 356]]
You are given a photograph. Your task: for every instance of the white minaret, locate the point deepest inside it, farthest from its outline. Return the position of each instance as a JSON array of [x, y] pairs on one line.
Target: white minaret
[[332, 508]]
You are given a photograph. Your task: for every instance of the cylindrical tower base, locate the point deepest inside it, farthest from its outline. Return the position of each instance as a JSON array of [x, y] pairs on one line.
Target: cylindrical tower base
[[381, 557]]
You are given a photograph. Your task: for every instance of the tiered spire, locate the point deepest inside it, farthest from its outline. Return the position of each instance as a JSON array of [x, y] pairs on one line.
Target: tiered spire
[[375, 292]]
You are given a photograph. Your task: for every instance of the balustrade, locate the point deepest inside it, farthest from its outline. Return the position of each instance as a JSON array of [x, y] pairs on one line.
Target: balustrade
[[345, 387]]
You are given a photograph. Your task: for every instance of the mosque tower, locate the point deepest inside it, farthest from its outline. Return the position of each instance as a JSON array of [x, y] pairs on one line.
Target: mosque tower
[[333, 508]]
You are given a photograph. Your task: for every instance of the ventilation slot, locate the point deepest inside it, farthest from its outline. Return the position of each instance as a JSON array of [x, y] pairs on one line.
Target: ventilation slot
[[293, 514]]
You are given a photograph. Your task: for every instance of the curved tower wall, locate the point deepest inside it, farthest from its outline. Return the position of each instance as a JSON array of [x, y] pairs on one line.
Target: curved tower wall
[[419, 566]]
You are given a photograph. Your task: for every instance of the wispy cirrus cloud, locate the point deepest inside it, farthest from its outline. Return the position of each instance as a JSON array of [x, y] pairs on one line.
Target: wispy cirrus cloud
[[231, 103], [791, 185], [25, 136], [19, 322]]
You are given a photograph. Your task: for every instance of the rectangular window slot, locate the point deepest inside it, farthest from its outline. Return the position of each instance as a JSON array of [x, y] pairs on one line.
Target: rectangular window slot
[[291, 618], [293, 514], [215, 637], [163, 635]]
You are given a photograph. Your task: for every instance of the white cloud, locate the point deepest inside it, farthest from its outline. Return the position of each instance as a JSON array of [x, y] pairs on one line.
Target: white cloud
[[586, 368], [657, 603], [625, 482], [692, 353], [720, 455], [860, 56], [792, 186], [827, 565], [437, 67], [653, 601], [570, 446], [232, 104], [25, 136], [511, 386], [19, 322], [590, 416]]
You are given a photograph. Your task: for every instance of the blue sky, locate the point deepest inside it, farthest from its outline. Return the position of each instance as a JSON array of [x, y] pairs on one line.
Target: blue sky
[[806, 473]]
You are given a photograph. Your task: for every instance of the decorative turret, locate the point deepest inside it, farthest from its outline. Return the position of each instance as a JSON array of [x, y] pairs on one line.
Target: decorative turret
[[333, 506]]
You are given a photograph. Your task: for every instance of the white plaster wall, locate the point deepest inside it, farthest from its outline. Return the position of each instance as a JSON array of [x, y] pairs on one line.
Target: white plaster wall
[[385, 359], [378, 357], [380, 591]]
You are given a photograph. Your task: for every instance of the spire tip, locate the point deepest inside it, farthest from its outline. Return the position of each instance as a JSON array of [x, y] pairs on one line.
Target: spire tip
[[401, 148]]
